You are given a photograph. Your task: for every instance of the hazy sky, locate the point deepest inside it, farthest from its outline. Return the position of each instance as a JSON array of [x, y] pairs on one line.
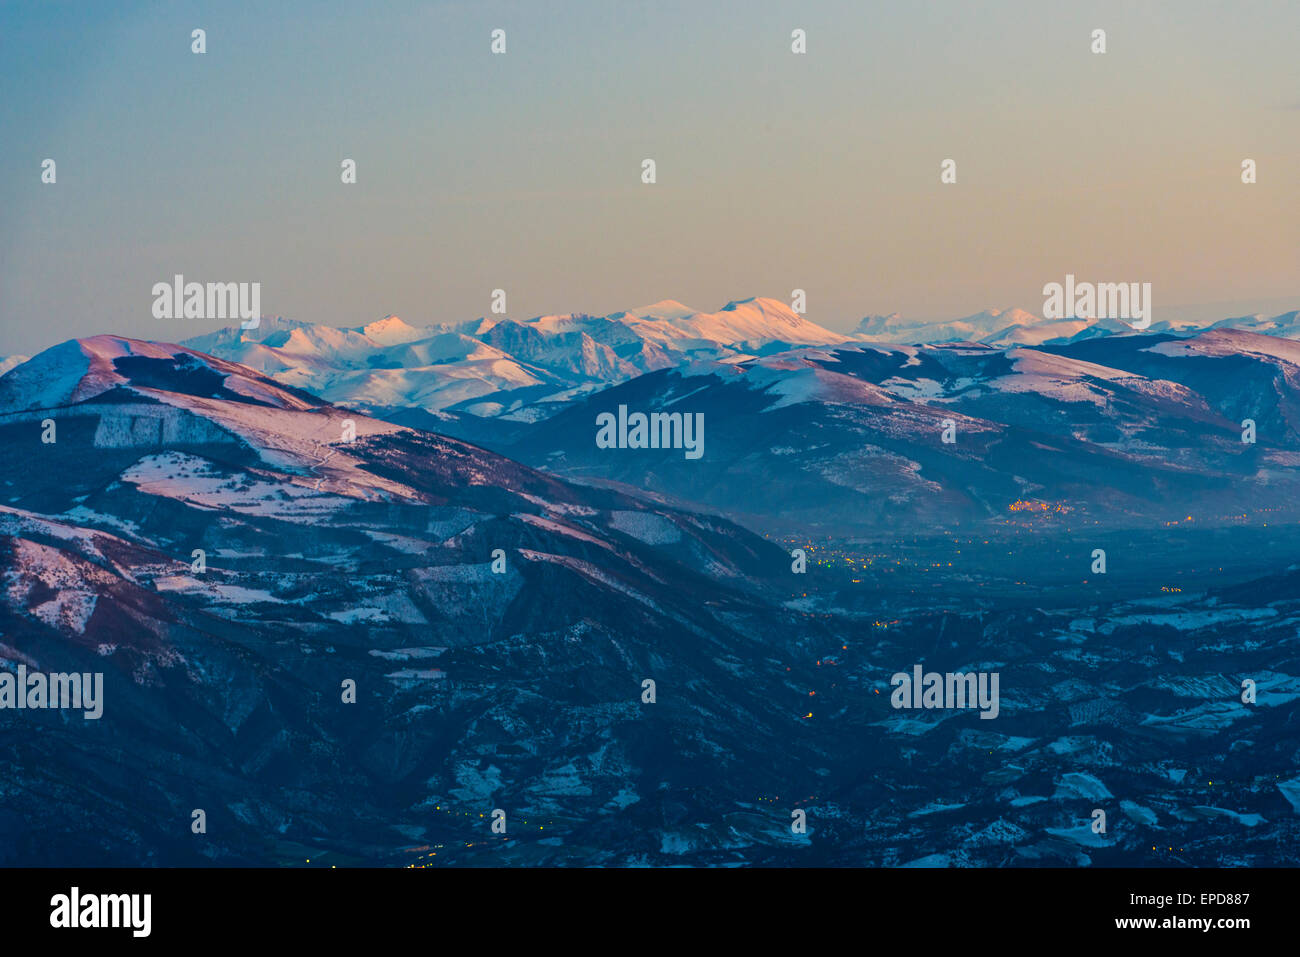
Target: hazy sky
[[523, 171]]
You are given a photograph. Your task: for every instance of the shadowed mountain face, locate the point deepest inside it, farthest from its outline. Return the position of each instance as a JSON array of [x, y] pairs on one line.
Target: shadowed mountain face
[[1128, 431], [236, 556]]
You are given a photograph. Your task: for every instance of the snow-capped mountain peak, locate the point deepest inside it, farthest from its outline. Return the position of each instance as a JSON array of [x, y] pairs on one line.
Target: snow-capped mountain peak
[[391, 330], [664, 309], [756, 320], [526, 369], [995, 327]]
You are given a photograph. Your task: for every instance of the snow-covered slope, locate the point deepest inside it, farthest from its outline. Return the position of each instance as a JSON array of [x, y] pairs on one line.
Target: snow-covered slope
[[81, 369], [1017, 327], [493, 365], [142, 394], [991, 325], [750, 321], [526, 370], [1285, 325]]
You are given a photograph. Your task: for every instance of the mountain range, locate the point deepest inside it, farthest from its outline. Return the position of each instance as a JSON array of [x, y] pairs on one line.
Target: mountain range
[[234, 552], [503, 367], [526, 370], [822, 430]]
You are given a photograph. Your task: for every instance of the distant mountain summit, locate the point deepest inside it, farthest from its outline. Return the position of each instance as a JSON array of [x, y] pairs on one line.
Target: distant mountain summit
[[1286, 325], [391, 331], [1019, 327], [495, 366], [1001, 327]]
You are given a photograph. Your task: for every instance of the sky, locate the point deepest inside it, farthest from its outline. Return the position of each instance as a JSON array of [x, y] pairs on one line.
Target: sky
[[522, 171]]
